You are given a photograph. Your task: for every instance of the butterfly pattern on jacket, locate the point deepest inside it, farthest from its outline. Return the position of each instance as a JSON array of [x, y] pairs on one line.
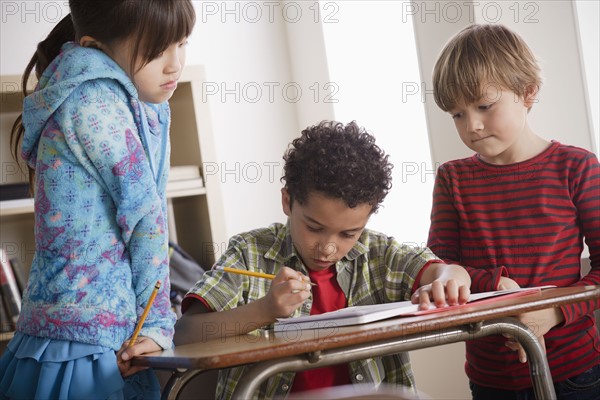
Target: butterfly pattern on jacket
[[129, 166]]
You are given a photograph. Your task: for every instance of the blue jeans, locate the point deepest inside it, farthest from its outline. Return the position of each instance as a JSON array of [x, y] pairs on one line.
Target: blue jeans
[[585, 386]]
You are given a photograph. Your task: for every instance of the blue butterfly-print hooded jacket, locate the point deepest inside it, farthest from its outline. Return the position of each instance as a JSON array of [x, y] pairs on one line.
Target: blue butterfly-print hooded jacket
[[101, 161]]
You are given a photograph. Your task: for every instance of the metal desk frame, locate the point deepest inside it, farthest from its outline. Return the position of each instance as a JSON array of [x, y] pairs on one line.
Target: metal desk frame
[[271, 355], [538, 365]]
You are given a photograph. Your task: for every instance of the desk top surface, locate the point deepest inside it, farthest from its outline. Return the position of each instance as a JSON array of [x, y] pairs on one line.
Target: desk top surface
[[268, 345]]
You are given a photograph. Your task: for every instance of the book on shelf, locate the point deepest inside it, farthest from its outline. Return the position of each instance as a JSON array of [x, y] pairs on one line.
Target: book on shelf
[[357, 315], [184, 178], [6, 323], [14, 191], [9, 288], [183, 172], [19, 273], [185, 184]]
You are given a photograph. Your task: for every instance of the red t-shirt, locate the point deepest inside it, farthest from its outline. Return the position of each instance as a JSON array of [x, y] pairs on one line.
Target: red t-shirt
[[327, 296]]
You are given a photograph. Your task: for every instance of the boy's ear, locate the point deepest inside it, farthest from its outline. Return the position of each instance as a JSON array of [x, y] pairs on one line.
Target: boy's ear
[[530, 97], [286, 202]]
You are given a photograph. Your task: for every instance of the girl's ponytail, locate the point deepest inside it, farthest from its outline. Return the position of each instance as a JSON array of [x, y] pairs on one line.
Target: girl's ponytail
[[46, 51]]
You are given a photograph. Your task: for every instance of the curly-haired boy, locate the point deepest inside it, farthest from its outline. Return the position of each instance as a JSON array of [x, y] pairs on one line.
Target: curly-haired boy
[[335, 178]]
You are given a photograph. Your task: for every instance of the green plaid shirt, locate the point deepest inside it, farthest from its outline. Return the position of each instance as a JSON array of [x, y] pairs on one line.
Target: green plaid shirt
[[376, 270]]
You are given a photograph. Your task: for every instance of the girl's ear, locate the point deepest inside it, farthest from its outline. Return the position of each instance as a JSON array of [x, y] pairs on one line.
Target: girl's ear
[[530, 97], [88, 41]]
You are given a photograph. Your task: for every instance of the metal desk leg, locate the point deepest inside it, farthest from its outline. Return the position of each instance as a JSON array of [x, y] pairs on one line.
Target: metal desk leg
[[177, 382], [538, 365], [539, 370]]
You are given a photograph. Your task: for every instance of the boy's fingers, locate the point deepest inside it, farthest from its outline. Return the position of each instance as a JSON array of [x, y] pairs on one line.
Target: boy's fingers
[[438, 292], [295, 287], [522, 355], [300, 286], [424, 301], [415, 297], [463, 294], [514, 346], [451, 292], [289, 274], [306, 279], [298, 283]]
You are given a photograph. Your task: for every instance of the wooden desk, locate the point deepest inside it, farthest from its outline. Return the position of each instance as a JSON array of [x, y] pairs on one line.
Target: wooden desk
[[299, 350]]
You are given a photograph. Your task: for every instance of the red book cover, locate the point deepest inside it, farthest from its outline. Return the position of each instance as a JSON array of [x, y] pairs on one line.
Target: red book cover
[[9, 289]]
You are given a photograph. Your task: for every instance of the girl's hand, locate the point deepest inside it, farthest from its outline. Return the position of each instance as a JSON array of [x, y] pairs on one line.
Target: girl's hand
[[125, 354], [288, 291]]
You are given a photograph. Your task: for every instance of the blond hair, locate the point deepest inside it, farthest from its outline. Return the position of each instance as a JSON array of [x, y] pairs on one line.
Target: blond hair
[[482, 55]]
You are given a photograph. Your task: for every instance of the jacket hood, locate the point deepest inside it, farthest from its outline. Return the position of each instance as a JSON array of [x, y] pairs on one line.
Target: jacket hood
[[74, 66]]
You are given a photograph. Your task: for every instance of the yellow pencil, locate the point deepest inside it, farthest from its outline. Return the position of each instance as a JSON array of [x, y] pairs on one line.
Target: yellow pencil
[[255, 274], [138, 328]]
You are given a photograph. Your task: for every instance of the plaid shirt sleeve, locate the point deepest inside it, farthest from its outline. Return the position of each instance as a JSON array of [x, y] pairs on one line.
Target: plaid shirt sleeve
[[223, 291]]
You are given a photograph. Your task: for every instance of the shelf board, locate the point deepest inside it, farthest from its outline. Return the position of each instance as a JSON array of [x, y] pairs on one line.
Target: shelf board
[[16, 207], [6, 336], [25, 206], [186, 192]]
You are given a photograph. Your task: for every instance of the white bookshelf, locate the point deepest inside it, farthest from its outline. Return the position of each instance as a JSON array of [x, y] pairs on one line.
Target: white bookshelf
[[196, 217]]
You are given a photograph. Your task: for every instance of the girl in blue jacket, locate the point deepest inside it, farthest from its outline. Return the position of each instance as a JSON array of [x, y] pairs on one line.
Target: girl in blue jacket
[[95, 137]]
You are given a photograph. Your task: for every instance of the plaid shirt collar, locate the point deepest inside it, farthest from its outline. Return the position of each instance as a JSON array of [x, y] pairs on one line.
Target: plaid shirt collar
[[283, 251]]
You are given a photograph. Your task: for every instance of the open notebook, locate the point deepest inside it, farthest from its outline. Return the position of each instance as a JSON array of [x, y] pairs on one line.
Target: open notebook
[[364, 314]]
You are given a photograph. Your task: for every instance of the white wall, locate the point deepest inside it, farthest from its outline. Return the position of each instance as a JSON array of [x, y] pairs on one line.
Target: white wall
[[246, 56], [588, 13], [551, 30], [376, 101], [244, 49]]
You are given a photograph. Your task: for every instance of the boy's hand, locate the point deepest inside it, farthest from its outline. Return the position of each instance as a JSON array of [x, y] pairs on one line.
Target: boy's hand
[[539, 322], [506, 283], [446, 285], [125, 354], [289, 290]]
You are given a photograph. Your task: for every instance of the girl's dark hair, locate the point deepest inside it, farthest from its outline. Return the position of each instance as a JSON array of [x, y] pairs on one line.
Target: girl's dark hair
[[152, 26], [339, 161]]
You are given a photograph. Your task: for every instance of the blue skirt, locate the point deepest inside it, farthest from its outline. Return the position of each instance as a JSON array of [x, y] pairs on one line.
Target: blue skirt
[[41, 368]]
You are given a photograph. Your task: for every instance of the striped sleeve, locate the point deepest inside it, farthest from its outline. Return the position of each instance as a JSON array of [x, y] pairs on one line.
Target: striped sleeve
[[585, 188]]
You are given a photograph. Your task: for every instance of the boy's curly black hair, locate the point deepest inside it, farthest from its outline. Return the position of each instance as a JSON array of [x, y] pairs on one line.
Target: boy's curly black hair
[[340, 161]]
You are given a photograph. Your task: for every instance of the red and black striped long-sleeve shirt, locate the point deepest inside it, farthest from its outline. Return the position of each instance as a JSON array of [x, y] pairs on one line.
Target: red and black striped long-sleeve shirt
[[526, 221]]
